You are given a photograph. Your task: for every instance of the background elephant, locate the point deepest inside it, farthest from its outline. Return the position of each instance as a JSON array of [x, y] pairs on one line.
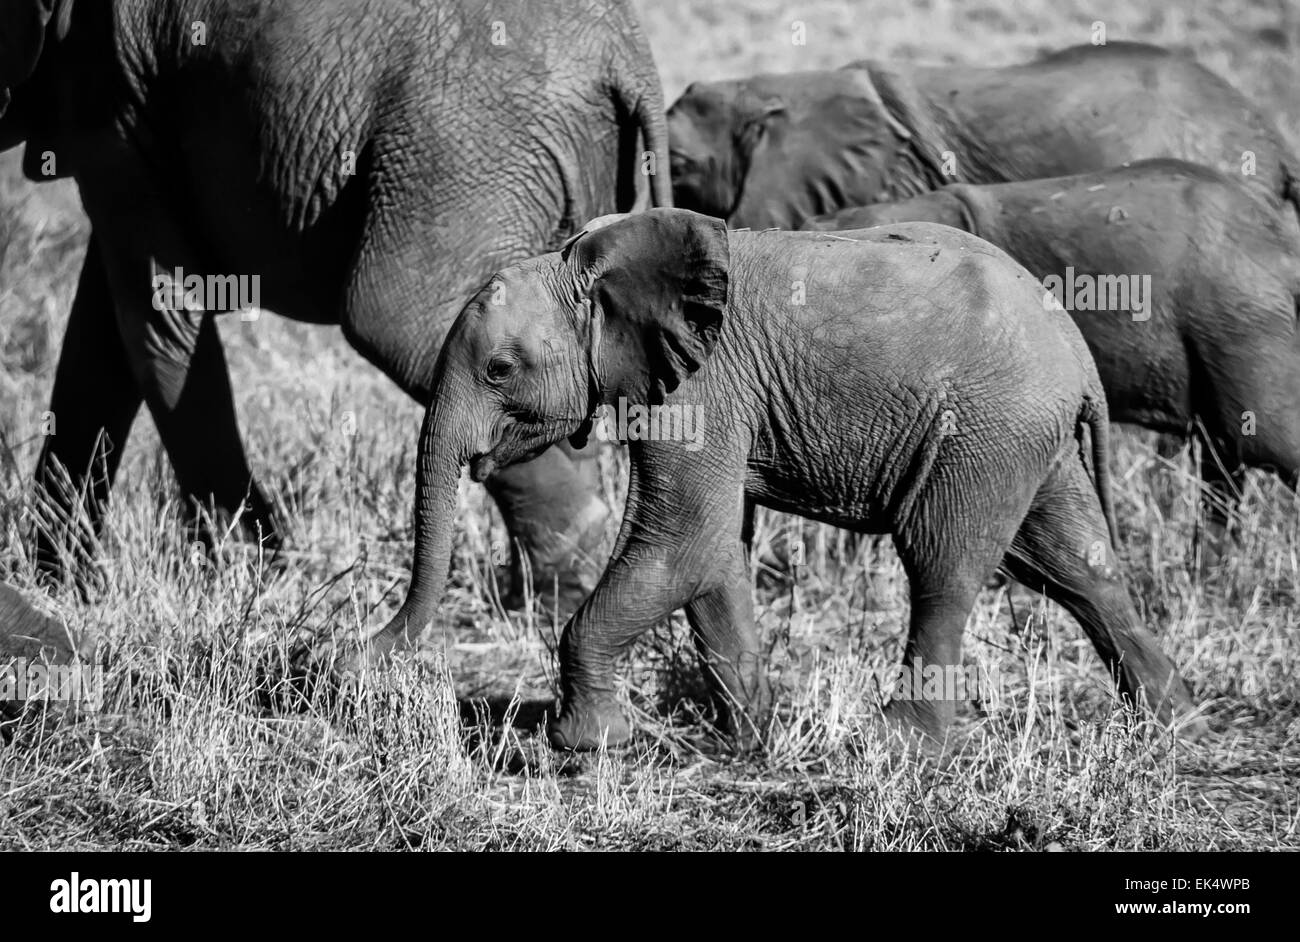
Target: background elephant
[[774, 150], [1208, 290], [923, 355], [369, 163]]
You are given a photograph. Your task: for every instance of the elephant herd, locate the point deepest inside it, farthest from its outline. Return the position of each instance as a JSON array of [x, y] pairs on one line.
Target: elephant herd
[[476, 196]]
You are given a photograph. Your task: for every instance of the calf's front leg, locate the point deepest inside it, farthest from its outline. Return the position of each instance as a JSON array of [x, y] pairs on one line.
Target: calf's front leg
[[641, 587], [690, 557], [722, 620]]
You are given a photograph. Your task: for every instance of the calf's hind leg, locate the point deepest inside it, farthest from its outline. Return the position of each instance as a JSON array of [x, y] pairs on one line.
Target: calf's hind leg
[[940, 607], [722, 620], [948, 548], [1063, 550]]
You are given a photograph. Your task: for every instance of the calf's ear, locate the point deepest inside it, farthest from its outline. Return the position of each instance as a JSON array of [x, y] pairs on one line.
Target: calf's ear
[[600, 222], [658, 284]]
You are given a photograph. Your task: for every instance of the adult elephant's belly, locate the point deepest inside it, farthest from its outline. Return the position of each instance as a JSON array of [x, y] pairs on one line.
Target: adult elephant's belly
[[301, 274], [258, 208], [289, 274]]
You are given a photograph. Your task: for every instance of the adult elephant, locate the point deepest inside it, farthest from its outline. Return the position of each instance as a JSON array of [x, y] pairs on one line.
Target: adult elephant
[[1185, 288], [372, 162], [774, 150]]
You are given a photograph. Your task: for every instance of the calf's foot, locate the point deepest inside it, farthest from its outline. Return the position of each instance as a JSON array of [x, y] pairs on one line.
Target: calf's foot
[[589, 725], [919, 724]]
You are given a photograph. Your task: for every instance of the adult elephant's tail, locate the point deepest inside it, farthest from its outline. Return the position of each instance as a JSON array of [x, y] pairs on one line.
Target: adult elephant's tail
[[654, 132], [643, 146]]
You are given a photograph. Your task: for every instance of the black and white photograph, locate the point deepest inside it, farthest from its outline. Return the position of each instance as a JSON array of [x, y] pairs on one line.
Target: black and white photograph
[[650, 426]]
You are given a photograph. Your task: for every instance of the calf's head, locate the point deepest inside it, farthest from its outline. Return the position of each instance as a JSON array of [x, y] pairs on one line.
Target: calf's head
[[629, 308]]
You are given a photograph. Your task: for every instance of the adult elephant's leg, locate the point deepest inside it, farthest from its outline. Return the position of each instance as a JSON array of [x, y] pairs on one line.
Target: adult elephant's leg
[[201, 433], [552, 510], [1223, 478], [1248, 419], [1063, 550], [1275, 446], [175, 354], [180, 368], [94, 402]]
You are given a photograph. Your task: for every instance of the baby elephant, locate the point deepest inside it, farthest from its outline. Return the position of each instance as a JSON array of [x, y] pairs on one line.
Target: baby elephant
[[1185, 287], [908, 381]]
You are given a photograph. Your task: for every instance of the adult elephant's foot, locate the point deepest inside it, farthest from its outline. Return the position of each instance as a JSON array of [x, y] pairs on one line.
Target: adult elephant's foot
[[1214, 547], [589, 725], [255, 526]]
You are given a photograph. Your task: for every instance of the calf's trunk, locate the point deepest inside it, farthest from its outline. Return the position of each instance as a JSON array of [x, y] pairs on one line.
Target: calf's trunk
[[442, 451]]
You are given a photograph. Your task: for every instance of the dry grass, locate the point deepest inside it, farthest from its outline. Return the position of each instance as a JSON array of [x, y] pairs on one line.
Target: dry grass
[[195, 747]]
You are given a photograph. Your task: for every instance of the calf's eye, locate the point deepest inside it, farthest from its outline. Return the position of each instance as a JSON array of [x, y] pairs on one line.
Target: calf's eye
[[499, 368]]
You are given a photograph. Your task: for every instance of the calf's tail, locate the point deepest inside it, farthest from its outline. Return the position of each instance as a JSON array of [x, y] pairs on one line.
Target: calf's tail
[[1095, 415]]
